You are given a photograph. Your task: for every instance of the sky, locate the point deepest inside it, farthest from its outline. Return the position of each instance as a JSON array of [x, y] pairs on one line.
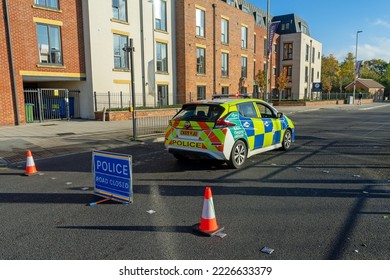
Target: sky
[[335, 23]]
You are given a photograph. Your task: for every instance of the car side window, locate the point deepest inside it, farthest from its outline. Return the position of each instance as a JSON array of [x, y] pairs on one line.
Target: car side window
[[247, 110], [265, 111]]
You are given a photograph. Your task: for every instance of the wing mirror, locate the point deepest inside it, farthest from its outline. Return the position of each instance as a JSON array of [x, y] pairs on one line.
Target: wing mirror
[[279, 115]]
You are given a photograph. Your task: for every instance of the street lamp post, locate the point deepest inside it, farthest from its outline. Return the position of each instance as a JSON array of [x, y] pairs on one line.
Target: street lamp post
[[356, 53], [267, 59]]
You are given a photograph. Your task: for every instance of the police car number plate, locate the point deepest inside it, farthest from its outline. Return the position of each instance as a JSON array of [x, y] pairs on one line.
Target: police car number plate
[[188, 133]]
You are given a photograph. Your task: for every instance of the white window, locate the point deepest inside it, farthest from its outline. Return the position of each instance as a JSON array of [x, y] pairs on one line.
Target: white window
[[244, 37], [52, 4], [49, 44], [224, 31], [160, 14], [119, 9], [225, 64], [200, 23], [120, 55], [161, 57], [200, 60]]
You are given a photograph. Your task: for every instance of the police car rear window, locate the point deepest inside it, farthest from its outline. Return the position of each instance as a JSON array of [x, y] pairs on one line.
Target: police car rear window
[[199, 112]]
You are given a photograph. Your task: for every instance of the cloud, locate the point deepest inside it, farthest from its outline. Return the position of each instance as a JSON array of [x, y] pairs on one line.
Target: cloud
[[378, 49], [382, 22]]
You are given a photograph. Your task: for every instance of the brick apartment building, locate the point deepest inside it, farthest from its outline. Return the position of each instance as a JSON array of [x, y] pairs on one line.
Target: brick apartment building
[[220, 46], [46, 41], [185, 50]]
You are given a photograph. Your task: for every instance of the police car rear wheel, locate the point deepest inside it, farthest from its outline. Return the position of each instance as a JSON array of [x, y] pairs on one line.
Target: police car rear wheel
[[238, 155], [287, 140]]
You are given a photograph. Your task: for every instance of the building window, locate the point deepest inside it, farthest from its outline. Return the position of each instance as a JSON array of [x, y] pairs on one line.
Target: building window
[[231, 3], [254, 70], [307, 53], [313, 55], [225, 90], [119, 9], [160, 14], [289, 72], [200, 22], [287, 51], [201, 92], [244, 37], [52, 4], [162, 57], [49, 44], [244, 66], [312, 75], [162, 93], [254, 43], [225, 64], [224, 31], [120, 55], [200, 60], [306, 74]]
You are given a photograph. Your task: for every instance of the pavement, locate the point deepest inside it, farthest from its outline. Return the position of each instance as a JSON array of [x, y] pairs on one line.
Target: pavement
[[59, 138]]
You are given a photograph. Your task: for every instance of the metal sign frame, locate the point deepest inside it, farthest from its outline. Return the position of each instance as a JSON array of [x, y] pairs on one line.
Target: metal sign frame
[[112, 173]]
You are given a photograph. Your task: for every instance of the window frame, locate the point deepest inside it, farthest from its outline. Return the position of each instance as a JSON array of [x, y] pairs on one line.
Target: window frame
[[288, 50], [160, 57], [200, 23], [244, 67], [244, 37], [200, 63], [46, 4], [224, 31], [51, 51], [123, 57], [117, 15], [225, 64], [200, 92], [160, 23]]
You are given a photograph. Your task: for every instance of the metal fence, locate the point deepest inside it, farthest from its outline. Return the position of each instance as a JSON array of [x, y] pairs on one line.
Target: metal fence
[[150, 125], [51, 104], [121, 101]]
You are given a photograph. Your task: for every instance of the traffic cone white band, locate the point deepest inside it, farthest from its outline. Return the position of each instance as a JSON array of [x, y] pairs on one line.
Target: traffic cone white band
[[30, 161], [208, 209]]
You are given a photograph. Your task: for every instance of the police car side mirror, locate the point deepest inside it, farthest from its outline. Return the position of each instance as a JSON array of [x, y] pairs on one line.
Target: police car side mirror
[[279, 115]]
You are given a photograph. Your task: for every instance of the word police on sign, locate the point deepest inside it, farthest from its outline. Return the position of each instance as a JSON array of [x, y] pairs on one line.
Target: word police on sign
[[113, 176]]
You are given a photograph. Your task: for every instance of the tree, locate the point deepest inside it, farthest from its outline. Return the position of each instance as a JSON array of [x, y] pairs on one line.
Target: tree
[[261, 80], [347, 71], [329, 70], [282, 82]]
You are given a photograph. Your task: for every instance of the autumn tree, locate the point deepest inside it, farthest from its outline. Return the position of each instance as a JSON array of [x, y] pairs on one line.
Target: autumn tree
[[329, 70], [282, 81], [261, 80], [347, 71]]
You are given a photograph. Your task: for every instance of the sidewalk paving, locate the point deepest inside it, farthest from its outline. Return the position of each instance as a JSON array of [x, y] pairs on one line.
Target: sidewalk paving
[[57, 138]]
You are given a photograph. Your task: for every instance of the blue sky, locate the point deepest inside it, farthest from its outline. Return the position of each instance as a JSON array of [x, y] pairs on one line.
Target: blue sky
[[335, 22]]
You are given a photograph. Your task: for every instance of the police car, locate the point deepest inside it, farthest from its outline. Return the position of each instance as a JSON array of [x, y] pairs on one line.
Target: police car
[[227, 129]]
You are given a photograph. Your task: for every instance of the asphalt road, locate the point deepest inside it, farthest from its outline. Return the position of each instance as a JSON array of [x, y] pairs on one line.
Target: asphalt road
[[328, 197]]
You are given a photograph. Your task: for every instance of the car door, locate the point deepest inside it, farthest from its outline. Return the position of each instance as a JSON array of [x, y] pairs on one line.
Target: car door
[[272, 125], [252, 124]]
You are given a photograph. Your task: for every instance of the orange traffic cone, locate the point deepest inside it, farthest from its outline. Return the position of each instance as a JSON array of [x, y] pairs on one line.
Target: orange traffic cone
[[30, 165], [208, 223]]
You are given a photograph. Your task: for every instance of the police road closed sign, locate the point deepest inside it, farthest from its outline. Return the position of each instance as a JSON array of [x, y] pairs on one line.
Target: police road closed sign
[[113, 176]]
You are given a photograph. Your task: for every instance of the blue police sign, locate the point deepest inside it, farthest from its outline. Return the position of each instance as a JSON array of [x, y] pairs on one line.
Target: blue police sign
[[113, 176]]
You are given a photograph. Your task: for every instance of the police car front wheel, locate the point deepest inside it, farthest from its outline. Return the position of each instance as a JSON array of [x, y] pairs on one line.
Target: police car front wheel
[[287, 140], [238, 154]]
